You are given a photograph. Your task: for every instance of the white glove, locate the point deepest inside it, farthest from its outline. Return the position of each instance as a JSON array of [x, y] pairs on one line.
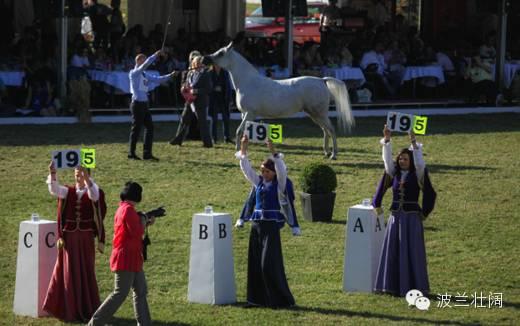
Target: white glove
[[239, 223], [296, 231]]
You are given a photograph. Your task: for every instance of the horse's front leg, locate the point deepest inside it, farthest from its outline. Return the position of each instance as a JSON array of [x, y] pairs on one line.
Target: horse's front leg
[[245, 117], [334, 146], [326, 151]]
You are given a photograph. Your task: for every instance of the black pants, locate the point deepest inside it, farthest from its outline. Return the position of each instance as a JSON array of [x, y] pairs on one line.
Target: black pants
[[184, 126], [487, 87], [266, 281], [141, 117], [214, 110]]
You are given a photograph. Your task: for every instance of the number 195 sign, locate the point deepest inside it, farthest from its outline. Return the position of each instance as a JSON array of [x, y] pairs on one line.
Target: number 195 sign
[[397, 121], [71, 158], [259, 132]]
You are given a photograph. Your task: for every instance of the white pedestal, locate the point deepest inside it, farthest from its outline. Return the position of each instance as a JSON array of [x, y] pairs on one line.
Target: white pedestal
[[212, 274], [364, 237], [35, 263]]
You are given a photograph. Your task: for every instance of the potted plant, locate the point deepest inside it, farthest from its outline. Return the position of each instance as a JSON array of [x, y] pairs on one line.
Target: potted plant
[[318, 183]]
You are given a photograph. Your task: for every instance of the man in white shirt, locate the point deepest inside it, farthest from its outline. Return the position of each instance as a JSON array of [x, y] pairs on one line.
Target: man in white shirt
[[375, 69]]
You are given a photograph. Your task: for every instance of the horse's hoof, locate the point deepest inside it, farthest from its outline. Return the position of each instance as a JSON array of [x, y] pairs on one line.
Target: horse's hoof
[[333, 157]]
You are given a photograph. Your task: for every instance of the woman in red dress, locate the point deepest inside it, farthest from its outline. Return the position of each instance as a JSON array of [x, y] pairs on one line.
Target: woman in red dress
[[73, 292]]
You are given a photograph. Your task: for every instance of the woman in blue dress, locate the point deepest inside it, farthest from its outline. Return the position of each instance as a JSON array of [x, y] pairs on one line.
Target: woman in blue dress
[[269, 207], [402, 265]]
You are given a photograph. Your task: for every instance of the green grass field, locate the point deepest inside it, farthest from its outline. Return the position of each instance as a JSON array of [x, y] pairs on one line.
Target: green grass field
[[471, 237]]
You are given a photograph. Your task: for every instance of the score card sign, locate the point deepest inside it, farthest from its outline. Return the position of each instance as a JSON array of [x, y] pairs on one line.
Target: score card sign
[[71, 158], [403, 122], [259, 132]]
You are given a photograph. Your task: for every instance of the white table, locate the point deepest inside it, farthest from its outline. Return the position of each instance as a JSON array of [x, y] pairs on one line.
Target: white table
[[345, 73], [118, 79], [12, 78], [414, 72], [510, 70]]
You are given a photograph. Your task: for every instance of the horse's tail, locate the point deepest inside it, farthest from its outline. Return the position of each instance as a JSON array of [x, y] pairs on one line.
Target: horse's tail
[[344, 112]]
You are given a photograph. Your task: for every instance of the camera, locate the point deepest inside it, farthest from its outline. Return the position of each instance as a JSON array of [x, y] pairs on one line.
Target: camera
[[158, 212]]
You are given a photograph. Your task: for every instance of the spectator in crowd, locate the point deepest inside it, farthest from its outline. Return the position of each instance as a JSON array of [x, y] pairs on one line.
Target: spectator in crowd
[[395, 60], [487, 51], [156, 35], [39, 99], [98, 14], [379, 14], [219, 101], [480, 80], [73, 291], [80, 59], [375, 69], [328, 25], [311, 55], [345, 56], [181, 43], [415, 46], [102, 61], [196, 90], [117, 25]]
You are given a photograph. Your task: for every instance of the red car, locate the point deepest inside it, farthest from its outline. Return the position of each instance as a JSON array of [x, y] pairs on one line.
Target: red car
[[304, 28]]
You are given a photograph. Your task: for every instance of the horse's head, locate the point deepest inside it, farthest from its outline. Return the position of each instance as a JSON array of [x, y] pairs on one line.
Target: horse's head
[[222, 57]]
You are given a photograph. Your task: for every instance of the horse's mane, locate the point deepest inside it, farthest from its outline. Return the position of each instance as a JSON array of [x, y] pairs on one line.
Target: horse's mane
[[241, 63]]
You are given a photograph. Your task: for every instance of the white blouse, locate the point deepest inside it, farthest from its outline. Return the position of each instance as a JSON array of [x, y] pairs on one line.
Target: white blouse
[[57, 190], [417, 158]]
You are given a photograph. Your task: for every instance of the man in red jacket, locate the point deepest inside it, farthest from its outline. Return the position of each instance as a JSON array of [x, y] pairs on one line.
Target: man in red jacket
[[126, 260]]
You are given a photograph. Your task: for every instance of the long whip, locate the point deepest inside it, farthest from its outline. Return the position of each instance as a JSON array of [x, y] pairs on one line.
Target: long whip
[[167, 25]]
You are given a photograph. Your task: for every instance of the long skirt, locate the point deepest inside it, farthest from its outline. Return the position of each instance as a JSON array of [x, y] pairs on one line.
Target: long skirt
[[402, 266], [73, 291], [266, 280]]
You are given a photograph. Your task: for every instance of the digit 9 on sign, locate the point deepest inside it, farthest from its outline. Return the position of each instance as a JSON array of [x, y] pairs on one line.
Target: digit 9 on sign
[[257, 132], [399, 121], [66, 159]]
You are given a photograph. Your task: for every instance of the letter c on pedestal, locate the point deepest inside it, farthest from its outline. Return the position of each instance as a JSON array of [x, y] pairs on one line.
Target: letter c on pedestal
[[47, 240], [25, 240]]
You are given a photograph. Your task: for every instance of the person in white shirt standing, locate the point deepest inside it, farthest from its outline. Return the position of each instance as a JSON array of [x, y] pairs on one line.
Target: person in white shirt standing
[[140, 84]]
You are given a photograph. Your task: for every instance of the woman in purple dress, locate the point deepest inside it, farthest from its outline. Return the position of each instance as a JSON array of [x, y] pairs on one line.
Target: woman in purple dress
[[402, 265]]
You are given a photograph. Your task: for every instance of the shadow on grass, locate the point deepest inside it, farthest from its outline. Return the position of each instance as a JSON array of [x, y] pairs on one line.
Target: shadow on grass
[[233, 165], [127, 321], [304, 150], [443, 167], [27, 135], [365, 314], [342, 222]]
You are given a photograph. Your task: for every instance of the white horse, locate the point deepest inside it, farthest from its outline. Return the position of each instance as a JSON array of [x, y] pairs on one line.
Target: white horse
[[257, 95]]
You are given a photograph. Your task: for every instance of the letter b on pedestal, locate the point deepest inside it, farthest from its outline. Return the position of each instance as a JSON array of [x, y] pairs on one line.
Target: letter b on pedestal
[[34, 266], [212, 273]]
